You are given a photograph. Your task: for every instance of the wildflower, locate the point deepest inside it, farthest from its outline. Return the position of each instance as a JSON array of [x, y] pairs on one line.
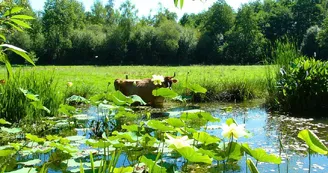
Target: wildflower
[[69, 84], [178, 142], [157, 79], [234, 130]]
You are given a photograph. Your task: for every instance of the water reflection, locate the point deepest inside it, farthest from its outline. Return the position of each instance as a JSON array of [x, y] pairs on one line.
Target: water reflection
[[266, 131]]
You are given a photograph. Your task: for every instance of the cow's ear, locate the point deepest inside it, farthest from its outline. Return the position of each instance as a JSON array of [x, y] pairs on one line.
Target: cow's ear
[[174, 81]]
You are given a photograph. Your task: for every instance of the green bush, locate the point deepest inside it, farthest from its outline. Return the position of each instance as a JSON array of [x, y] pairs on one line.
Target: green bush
[[302, 85], [15, 106]]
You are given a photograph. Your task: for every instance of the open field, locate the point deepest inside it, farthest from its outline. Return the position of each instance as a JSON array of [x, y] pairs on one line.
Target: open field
[[87, 80]]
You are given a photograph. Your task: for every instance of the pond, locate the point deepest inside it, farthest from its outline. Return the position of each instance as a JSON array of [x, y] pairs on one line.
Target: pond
[[267, 131]]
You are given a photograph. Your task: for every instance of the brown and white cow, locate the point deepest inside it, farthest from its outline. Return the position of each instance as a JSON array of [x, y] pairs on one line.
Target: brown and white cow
[[144, 88]]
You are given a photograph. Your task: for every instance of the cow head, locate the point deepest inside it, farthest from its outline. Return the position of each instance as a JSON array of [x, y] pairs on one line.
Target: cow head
[[168, 81]]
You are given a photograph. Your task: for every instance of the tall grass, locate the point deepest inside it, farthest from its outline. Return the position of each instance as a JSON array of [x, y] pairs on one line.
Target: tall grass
[[14, 106], [284, 54]]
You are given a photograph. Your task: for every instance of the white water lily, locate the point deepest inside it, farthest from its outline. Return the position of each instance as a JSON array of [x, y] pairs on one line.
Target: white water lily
[[157, 79], [234, 130], [178, 142]]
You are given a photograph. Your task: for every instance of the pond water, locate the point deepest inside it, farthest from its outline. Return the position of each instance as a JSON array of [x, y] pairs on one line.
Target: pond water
[[266, 130]]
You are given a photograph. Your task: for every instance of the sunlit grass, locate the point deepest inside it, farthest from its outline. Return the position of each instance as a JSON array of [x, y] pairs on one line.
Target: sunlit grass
[[217, 79]]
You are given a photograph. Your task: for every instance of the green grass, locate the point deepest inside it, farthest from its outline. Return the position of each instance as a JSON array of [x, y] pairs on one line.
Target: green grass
[[222, 82]]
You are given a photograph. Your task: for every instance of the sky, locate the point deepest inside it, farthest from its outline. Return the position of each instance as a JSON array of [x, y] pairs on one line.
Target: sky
[[145, 6]]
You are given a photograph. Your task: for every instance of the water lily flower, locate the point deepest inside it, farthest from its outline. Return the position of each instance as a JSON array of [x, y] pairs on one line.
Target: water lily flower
[[178, 142], [69, 84], [234, 130], [157, 79]]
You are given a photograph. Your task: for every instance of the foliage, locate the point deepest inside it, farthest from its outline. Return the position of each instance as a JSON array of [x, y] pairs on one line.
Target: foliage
[[16, 105]]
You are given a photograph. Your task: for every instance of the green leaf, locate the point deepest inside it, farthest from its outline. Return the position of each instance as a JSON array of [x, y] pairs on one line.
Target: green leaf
[[195, 88], [18, 51], [231, 121], [175, 122], [3, 37], [30, 162], [26, 170], [181, 4], [152, 165], [5, 153], [164, 92], [14, 26], [313, 141], [251, 166], [233, 151], [34, 138], [158, 125], [191, 155], [20, 23], [66, 109], [198, 116], [16, 9], [136, 98], [3, 121], [205, 138], [123, 170], [92, 162], [131, 128], [212, 154], [176, 3], [120, 99], [11, 130], [130, 136], [98, 144], [260, 155], [26, 17]]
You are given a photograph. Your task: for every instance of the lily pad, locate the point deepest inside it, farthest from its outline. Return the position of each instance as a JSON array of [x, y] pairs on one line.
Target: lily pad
[[11, 130], [31, 162]]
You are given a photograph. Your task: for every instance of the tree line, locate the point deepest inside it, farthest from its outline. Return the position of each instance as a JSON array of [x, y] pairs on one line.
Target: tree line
[[65, 34]]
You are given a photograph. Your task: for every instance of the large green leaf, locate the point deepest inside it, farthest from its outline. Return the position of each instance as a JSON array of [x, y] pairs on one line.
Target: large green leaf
[[66, 109], [159, 125], [11, 130], [181, 3], [98, 144], [20, 23], [152, 166], [260, 155], [205, 138], [233, 151], [313, 141], [3, 37], [195, 88], [30, 162], [165, 92], [5, 153], [13, 10], [120, 99], [34, 138], [137, 98], [123, 170], [192, 155], [3, 121], [252, 166], [26, 17], [175, 122], [18, 51], [130, 136], [198, 116]]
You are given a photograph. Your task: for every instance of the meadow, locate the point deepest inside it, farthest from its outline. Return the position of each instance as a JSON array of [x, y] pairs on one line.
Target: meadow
[[224, 83]]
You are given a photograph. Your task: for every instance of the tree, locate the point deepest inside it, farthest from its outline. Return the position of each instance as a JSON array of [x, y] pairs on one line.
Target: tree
[[306, 13], [60, 18], [310, 44], [245, 42], [98, 13]]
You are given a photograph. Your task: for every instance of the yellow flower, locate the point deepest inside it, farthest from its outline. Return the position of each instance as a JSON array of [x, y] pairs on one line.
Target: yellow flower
[[234, 130], [178, 142], [157, 79], [69, 84]]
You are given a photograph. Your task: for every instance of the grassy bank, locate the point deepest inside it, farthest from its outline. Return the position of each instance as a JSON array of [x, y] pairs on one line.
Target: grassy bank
[[224, 83]]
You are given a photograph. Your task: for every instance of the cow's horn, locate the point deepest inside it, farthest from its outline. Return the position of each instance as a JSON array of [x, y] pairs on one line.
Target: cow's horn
[[173, 75], [126, 76]]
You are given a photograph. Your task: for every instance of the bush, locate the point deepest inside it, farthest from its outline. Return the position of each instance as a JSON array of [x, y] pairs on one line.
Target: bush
[[14, 106], [302, 85]]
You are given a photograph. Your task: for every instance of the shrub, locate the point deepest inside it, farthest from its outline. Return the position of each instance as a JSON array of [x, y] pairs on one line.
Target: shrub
[[303, 85]]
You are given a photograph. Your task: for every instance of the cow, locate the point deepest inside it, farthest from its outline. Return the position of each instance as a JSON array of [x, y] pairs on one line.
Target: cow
[[144, 88]]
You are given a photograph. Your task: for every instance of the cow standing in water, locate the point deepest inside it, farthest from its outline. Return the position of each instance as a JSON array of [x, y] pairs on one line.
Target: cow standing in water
[[144, 88]]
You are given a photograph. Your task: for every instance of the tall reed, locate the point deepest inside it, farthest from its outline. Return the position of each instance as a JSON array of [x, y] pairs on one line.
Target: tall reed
[[14, 106]]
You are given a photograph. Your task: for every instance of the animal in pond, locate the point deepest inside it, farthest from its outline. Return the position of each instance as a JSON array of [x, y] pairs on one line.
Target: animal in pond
[[2, 81], [144, 88]]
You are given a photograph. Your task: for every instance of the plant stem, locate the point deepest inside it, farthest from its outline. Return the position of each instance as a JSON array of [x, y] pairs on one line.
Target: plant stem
[[309, 160]]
